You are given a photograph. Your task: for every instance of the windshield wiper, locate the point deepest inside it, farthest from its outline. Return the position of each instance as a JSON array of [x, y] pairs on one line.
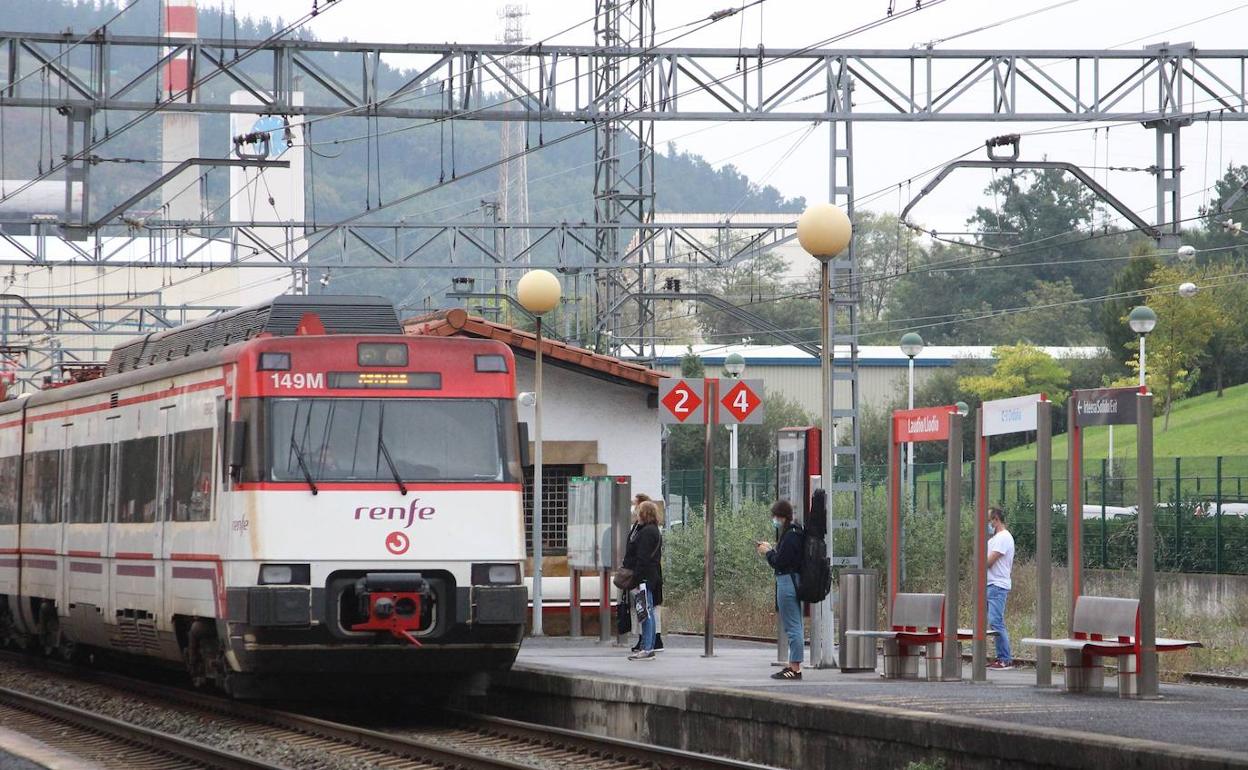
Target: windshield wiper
[[303, 466], [394, 471]]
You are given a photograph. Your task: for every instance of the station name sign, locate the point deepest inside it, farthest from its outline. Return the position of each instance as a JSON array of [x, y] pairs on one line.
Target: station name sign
[[1105, 406], [1010, 415], [930, 424]]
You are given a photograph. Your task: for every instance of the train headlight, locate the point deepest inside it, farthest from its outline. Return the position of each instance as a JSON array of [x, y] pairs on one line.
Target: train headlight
[[495, 574], [285, 574], [381, 354]]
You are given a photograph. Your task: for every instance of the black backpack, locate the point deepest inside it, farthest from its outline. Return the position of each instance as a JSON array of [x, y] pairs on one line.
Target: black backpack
[[815, 577]]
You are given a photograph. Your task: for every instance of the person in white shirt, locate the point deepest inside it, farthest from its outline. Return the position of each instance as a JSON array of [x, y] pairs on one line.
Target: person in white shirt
[[1000, 564]]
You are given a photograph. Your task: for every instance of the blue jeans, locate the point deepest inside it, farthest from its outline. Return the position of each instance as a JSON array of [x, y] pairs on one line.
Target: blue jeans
[[647, 633], [791, 615], [996, 621]]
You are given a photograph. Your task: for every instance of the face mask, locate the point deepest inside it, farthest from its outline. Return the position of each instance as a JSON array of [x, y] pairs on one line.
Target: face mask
[[777, 523], [991, 530]]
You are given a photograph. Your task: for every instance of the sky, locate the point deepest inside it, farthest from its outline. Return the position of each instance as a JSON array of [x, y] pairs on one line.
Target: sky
[[886, 155]]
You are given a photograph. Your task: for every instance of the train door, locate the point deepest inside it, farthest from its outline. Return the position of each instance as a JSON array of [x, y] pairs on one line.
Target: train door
[[41, 509], [135, 532], [84, 505], [191, 540], [10, 476]]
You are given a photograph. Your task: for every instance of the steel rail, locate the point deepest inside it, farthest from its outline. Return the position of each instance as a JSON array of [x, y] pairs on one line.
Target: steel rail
[[584, 748], [144, 737]]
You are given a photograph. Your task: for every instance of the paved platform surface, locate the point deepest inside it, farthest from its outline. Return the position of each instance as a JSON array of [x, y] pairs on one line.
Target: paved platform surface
[[1186, 715]]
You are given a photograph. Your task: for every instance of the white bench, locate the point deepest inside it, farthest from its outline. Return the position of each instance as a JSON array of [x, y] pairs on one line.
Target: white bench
[[917, 626], [1105, 627]]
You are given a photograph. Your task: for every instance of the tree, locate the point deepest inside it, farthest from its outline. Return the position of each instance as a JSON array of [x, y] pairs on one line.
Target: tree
[[1235, 178], [1128, 286], [761, 287], [1178, 343], [885, 249], [1020, 370], [1054, 315]]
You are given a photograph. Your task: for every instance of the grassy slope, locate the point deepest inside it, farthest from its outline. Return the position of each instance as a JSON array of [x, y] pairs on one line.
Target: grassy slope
[[1203, 426]]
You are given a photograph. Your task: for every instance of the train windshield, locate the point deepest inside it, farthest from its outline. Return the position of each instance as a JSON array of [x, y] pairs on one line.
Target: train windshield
[[345, 439]]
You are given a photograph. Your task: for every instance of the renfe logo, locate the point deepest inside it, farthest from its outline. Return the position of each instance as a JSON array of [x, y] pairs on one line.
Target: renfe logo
[[406, 514]]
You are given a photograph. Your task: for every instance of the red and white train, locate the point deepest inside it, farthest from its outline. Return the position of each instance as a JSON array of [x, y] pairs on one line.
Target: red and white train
[[290, 495]]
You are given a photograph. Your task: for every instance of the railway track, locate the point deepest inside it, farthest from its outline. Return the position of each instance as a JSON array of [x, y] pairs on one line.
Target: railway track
[[461, 741], [110, 742]]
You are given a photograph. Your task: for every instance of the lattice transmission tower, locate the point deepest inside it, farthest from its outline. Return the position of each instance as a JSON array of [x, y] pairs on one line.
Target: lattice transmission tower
[[513, 176]]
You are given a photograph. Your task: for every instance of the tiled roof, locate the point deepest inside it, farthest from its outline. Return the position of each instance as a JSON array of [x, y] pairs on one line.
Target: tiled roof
[[457, 322]]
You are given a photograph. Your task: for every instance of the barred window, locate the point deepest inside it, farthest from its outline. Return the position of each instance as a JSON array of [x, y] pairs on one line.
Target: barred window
[[554, 507]]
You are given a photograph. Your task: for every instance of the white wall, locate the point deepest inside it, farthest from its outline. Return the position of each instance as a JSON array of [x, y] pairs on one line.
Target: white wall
[[578, 407]]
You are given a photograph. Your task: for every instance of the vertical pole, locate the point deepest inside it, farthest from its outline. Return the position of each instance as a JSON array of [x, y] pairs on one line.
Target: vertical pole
[[951, 663], [732, 468], [710, 401], [1001, 498], [894, 517], [979, 646], [1143, 380], [1074, 506], [911, 482], [1044, 538], [1144, 555], [1217, 520], [1178, 517], [574, 602], [537, 485], [822, 623], [1104, 528]]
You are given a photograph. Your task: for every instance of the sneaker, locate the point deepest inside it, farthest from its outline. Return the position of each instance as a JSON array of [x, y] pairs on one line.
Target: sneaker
[[644, 655], [787, 673], [1000, 664], [636, 647], [658, 642]]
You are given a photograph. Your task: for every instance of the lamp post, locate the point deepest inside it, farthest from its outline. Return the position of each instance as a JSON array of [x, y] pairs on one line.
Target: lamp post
[[538, 292], [734, 364], [824, 231], [911, 345], [1142, 319]]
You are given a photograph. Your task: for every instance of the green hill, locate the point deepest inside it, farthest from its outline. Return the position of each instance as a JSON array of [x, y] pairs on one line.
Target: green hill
[[1204, 426]]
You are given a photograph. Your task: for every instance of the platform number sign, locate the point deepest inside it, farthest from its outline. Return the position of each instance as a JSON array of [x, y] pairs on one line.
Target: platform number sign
[[741, 402], [682, 401]]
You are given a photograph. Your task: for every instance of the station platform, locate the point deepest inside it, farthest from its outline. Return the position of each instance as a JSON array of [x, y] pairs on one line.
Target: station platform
[[729, 705]]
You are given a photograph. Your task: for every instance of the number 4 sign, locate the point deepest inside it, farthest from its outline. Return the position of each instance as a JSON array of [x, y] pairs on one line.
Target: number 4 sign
[[742, 401]]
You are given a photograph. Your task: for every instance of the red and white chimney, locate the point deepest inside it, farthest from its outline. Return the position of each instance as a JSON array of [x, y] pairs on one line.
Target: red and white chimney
[[181, 196]]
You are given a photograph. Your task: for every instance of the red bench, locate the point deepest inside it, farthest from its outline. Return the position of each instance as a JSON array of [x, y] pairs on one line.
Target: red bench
[[1105, 627]]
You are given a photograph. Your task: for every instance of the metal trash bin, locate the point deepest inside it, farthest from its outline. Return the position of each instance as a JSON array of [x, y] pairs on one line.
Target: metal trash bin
[[858, 602]]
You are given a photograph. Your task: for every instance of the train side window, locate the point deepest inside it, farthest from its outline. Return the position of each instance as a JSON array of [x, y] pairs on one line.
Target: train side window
[[88, 472], [8, 490], [192, 476], [136, 480], [42, 485]]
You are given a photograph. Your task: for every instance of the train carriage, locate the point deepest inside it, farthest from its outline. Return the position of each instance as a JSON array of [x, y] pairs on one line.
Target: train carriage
[[282, 491]]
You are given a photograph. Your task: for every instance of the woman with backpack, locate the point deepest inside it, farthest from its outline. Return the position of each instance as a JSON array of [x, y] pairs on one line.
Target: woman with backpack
[[785, 557], [648, 561]]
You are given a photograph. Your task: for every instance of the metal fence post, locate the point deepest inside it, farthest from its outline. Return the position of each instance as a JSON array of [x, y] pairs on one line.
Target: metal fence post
[[1104, 532], [1217, 519], [1178, 516], [1001, 502]]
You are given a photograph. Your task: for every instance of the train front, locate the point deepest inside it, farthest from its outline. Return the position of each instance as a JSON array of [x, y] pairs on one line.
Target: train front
[[375, 532]]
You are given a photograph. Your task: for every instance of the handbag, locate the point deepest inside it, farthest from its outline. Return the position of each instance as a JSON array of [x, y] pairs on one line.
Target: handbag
[[623, 617], [624, 579]]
